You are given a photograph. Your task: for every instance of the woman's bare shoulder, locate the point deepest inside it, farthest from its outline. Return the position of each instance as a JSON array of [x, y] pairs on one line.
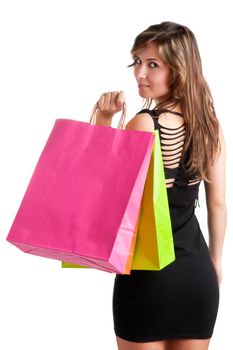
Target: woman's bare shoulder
[[141, 122]]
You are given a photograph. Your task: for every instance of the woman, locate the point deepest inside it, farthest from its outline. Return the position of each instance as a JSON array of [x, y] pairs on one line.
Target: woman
[[175, 308]]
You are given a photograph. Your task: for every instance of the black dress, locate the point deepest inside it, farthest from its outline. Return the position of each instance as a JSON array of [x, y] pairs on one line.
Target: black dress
[[181, 300]]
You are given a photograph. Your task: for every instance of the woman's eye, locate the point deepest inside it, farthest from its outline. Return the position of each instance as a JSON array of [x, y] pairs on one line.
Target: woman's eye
[[153, 65], [137, 60]]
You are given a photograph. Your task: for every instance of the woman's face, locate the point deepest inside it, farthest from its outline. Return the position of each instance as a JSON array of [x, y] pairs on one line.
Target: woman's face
[[151, 73]]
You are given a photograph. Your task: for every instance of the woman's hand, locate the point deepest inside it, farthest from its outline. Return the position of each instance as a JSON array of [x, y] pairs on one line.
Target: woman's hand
[[110, 103]]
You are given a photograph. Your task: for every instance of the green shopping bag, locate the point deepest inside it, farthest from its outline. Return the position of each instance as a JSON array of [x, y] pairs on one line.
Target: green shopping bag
[[154, 248]]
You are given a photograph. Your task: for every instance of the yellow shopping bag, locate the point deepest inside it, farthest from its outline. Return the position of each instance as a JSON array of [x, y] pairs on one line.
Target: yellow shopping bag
[[154, 243]]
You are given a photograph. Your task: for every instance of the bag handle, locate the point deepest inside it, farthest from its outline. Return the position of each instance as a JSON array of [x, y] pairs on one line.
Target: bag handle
[[122, 119]]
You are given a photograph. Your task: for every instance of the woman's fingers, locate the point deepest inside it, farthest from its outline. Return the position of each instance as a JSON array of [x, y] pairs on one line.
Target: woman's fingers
[[101, 101], [120, 99], [107, 101], [111, 102]]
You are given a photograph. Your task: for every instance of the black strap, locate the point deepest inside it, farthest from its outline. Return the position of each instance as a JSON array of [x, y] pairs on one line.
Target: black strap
[[157, 112], [150, 111]]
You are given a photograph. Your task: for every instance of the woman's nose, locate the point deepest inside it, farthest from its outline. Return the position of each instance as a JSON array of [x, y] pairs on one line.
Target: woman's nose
[[141, 72]]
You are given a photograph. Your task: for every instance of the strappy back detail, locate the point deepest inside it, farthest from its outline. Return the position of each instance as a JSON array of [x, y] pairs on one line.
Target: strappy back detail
[[172, 142]]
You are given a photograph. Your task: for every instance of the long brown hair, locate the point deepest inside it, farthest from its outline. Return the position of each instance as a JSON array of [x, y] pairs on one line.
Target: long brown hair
[[178, 48]]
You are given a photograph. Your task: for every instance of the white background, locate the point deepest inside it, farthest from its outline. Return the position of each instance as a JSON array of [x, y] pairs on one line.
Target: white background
[[57, 57]]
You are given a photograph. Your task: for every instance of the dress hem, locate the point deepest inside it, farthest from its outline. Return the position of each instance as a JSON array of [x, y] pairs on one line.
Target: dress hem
[[152, 338]]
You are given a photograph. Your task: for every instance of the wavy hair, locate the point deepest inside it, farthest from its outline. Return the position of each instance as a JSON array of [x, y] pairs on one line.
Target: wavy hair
[[178, 48]]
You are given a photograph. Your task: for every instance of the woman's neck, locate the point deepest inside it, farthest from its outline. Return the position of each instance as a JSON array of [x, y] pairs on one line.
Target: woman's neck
[[170, 106]]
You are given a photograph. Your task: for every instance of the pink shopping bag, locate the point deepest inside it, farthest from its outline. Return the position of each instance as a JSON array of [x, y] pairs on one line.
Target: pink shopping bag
[[83, 200]]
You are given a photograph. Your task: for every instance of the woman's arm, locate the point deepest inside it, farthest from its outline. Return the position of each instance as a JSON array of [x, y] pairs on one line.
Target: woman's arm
[[111, 103], [216, 207]]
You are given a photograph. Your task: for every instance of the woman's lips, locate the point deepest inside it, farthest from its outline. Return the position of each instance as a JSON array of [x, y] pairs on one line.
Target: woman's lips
[[143, 86]]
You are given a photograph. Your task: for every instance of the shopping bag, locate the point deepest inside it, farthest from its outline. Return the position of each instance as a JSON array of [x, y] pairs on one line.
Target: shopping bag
[[82, 202], [154, 247], [154, 241]]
